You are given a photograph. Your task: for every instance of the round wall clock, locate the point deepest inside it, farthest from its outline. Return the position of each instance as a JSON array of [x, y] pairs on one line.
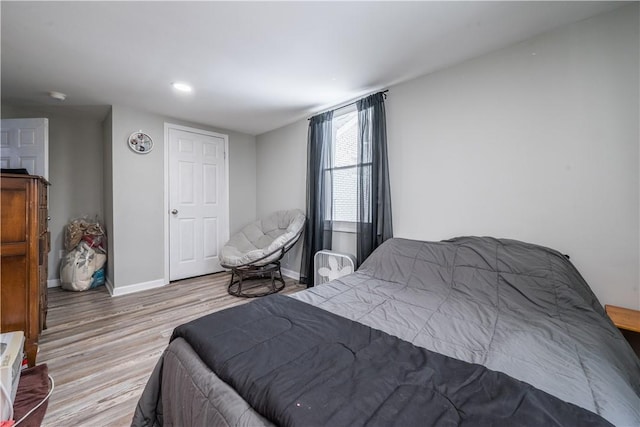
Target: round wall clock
[[140, 142]]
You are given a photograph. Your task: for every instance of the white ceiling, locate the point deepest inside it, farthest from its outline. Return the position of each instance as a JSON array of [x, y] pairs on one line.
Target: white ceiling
[[254, 66]]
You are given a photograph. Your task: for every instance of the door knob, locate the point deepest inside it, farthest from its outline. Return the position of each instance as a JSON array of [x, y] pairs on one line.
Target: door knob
[[174, 211]]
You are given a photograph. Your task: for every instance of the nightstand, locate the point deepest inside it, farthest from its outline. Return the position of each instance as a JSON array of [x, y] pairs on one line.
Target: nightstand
[[628, 321], [624, 318]]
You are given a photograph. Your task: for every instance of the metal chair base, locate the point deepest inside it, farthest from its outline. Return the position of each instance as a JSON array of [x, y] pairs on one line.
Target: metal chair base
[[243, 274]]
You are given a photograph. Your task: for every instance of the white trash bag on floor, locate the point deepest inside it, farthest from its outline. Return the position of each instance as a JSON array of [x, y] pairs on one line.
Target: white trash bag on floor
[[77, 267]]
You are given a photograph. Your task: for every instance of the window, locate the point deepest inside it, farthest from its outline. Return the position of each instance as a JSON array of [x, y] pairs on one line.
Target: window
[[343, 175]]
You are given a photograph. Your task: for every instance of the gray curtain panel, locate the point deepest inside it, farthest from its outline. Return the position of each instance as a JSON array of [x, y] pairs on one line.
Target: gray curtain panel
[[374, 194], [319, 225]]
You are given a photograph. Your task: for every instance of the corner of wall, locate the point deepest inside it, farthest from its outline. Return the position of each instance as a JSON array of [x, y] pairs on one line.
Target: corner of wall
[[107, 189]]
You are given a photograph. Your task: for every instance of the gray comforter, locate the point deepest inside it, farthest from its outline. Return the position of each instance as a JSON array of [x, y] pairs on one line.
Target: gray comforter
[[300, 365], [513, 307]]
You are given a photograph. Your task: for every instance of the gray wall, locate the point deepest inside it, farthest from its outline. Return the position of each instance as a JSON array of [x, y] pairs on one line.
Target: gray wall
[[138, 211], [538, 142], [75, 170], [281, 172]]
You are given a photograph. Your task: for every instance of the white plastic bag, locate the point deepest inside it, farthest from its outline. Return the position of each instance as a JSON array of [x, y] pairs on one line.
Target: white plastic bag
[[77, 267]]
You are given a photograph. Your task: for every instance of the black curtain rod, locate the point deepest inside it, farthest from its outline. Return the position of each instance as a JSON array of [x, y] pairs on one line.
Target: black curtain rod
[[384, 92]]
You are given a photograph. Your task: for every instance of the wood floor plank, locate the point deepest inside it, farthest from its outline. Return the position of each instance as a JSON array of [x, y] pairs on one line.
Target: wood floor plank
[[100, 350]]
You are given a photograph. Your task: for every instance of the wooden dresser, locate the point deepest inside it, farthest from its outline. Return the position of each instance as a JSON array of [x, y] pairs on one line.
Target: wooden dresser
[[24, 249]]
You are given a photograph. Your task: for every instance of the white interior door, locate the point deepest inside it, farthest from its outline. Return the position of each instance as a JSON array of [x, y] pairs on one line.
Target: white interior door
[[24, 143], [198, 202]]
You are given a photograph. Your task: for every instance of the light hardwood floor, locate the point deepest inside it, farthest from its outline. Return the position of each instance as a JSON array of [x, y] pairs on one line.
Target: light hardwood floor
[[100, 350]]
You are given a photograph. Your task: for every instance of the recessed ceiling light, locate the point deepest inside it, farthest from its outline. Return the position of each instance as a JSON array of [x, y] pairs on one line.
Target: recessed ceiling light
[[58, 95], [182, 87]]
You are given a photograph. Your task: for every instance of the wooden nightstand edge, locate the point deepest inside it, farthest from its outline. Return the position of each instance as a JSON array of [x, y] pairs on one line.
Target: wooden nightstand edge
[[624, 318]]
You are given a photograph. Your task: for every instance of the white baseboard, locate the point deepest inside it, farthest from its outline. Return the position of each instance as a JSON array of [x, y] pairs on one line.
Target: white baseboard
[[53, 283], [290, 273], [130, 289]]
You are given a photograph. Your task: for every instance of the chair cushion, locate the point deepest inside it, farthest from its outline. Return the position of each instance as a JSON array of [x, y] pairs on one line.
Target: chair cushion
[[261, 238]]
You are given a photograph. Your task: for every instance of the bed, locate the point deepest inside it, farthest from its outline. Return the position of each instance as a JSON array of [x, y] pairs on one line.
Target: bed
[[469, 331]]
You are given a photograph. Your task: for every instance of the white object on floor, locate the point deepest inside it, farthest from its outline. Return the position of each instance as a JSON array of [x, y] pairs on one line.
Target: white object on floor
[[329, 265], [11, 355]]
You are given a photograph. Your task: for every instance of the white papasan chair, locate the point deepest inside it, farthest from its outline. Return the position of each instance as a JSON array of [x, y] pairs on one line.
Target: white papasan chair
[[256, 251]]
